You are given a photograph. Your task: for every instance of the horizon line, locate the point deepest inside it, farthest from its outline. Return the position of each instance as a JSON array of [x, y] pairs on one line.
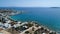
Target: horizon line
[[8, 6]]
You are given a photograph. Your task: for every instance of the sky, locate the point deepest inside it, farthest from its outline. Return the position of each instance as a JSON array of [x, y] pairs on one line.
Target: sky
[[29, 3]]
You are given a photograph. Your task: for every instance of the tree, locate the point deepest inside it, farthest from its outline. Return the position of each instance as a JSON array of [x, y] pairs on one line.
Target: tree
[[27, 32]]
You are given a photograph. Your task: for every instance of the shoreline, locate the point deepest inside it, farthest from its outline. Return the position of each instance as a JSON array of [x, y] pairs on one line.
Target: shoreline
[[18, 26]]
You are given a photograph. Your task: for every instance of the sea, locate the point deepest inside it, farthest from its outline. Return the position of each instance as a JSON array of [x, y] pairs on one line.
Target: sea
[[47, 16]]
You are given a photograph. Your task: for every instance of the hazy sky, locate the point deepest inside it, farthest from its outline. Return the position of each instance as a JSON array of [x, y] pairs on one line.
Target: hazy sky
[[29, 3]]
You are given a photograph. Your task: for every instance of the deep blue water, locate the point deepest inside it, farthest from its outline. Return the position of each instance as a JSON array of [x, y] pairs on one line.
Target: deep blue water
[[49, 17]]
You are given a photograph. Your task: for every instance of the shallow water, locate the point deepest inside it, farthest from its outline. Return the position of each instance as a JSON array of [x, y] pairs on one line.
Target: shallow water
[[49, 17]]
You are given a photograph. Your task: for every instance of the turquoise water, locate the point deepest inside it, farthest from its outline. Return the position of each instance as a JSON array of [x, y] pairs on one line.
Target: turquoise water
[[49, 17]]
